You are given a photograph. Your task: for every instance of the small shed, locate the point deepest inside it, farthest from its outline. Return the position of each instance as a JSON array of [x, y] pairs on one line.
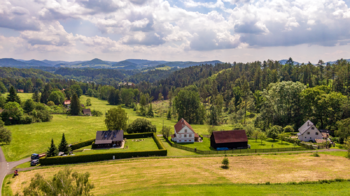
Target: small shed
[[87, 112], [20, 91], [229, 139], [107, 139]]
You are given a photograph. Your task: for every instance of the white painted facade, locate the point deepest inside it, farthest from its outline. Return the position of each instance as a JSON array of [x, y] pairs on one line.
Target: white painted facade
[[185, 135], [309, 132]]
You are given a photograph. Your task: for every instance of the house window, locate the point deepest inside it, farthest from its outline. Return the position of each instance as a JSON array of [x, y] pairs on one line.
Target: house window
[[185, 140], [316, 133], [185, 130], [312, 128], [185, 135], [190, 135], [308, 133]]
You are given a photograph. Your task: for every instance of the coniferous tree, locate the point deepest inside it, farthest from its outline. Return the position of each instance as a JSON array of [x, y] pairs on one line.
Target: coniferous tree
[[52, 151], [142, 105], [150, 111], [169, 115], [75, 107], [3, 89], [63, 147], [36, 96], [45, 95], [213, 117], [13, 97]]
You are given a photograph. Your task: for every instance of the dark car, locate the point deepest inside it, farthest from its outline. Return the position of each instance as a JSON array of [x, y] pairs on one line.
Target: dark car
[[34, 162]]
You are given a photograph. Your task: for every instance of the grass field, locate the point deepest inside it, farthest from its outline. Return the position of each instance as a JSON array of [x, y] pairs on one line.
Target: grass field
[[132, 145], [267, 144], [133, 176], [36, 137], [22, 96]]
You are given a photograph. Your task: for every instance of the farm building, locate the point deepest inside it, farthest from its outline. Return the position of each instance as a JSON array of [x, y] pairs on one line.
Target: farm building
[[20, 91], [108, 139], [183, 133], [67, 103], [86, 112], [229, 139], [309, 132]]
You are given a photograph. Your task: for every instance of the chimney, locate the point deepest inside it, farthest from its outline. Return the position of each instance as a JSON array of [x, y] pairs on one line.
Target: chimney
[[308, 123]]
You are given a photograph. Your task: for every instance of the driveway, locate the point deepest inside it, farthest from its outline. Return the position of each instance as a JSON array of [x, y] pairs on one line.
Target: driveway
[[6, 167]]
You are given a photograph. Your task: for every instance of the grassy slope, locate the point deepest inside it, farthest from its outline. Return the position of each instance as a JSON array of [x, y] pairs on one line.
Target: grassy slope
[[22, 96], [130, 176]]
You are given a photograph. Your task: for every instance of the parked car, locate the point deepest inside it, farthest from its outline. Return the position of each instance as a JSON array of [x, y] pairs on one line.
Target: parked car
[[34, 162]]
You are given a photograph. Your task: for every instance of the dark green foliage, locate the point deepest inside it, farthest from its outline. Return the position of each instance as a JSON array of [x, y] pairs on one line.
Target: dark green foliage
[[29, 106], [88, 102], [225, 163], [75, 107], [273, 132], [12, 113], [116, 119], [45, 95], [57, 97], [213, 116], [82, 144], [63, 147], [169, 115], [65, 182], [3, 89], [189, 107], [12, 96], [127, 96], [150, 111], [96, 113], [76, 89], [288, 128], [36, 96], [141, 125], [2, 101], [343, 131], [5, 135], [1, 123], [52, 151], [166, 131], [109, 156], [114, 97]]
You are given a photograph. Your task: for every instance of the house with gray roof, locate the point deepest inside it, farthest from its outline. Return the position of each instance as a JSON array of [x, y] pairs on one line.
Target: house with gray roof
[[308, 132], [108, 139]]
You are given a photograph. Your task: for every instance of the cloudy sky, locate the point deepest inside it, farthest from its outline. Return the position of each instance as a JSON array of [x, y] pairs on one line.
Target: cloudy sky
[[197, 30]]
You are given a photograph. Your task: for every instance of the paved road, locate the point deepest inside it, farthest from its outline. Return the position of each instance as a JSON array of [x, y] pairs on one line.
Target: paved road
[[6, 167]]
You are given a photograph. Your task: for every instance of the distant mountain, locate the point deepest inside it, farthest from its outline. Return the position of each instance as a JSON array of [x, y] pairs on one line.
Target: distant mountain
[[94, 62], [37, 63], [333, 62], [10, 62], [125, 63]]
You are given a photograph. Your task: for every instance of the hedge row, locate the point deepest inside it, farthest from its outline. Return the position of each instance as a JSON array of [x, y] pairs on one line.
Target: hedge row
[[82, 144], [99, 157], [106, 156]]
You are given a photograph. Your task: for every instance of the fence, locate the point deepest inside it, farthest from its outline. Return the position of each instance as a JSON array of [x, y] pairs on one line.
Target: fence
[[235, 151]]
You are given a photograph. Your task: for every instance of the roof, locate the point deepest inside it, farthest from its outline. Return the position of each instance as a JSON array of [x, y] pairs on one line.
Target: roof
[[196, 135], [86, 111], [230, 136], [107, 137], [179, 125], [305, 126], [66, 102], [325, 135]]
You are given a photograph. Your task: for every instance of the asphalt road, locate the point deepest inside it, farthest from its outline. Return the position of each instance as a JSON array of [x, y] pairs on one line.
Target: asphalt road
[[6, 167]]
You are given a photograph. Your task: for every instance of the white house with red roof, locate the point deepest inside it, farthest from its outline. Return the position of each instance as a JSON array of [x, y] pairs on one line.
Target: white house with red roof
[[183, 133]]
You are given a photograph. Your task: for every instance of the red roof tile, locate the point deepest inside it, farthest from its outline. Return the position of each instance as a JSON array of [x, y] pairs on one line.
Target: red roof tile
[[230, 136], [179, 125]]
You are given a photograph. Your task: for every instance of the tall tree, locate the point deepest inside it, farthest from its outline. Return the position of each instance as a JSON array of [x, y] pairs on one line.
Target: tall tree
[[63, 147], [52, 151], [150, 111], [45, 95], [13, 97], [36, 96], [116, 119], [75, 107]]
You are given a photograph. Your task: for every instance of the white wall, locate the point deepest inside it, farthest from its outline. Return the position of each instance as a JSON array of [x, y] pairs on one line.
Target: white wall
[[312, 136], [180, 136]]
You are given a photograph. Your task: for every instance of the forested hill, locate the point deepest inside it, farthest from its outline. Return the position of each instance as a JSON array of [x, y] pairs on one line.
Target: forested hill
[[15, 73]]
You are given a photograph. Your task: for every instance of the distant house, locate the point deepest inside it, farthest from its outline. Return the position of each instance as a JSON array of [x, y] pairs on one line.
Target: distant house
[[86, 112], [183, 133], [107, 139], [67, 103], [20, 91], [229, 139], [308, 132]]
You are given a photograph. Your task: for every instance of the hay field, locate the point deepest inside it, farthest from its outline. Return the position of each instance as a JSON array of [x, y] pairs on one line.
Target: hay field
[[128, 175]]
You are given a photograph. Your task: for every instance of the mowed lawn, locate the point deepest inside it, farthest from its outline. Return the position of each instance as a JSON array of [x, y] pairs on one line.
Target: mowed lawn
[[36, 137], [132, 176], [265, 144], [130, 145]]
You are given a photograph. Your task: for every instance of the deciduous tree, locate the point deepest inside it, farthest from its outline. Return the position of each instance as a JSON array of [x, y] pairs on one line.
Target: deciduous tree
[[116, 119]]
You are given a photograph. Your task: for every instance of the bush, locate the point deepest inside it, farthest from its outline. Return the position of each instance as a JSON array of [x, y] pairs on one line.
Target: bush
[[288, 128], [96, 113], [50, 103], [82, 144], [26, 120], [225, 163], [141, 125]]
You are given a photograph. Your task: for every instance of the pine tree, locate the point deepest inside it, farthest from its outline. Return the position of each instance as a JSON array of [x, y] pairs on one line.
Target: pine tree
[[150, 111], [63, 147], [75, 108], [169, 115], [52, 151], [36, 96], [45, 95], [13, 97]]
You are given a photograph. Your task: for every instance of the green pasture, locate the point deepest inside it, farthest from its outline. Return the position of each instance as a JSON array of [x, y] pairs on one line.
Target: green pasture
[[336, 188], [265, 144], [137, 144], [22, 96]]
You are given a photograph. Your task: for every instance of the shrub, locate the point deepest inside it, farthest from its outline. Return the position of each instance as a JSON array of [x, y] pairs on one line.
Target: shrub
[[288, 128], [96, 113], [50, 103], [225, 163], [141, 125], [316, 154], [82, 144], [26, 120]]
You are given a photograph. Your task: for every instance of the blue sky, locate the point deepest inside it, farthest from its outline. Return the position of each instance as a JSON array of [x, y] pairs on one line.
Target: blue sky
[[197, 30]]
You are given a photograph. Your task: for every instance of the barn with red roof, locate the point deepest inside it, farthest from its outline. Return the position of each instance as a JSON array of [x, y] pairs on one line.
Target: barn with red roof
[[229, 139]]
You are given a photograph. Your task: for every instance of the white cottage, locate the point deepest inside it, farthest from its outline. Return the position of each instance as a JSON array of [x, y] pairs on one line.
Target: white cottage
[[183, 133], [309, 132]]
